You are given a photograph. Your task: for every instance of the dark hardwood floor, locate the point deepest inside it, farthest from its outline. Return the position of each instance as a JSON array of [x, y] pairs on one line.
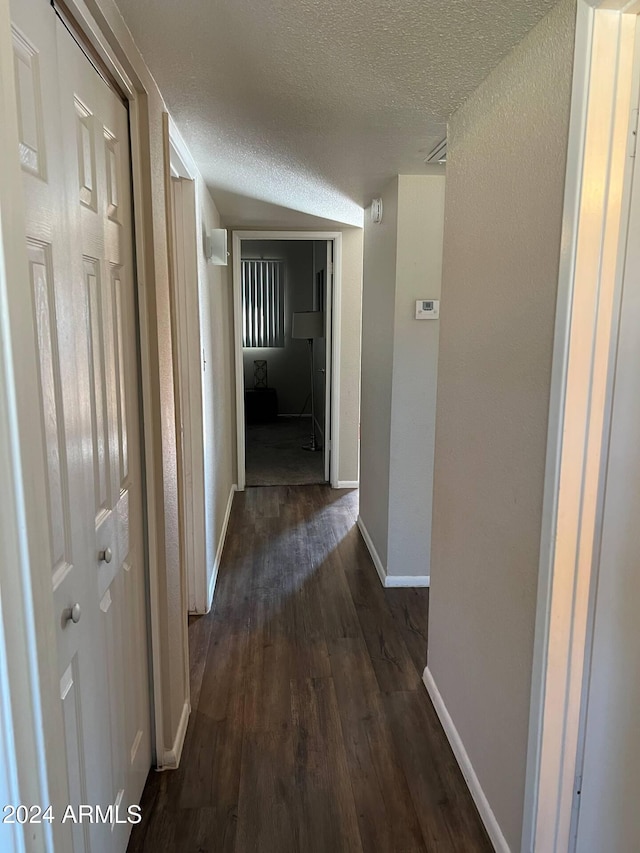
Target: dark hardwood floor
[[311, 729]]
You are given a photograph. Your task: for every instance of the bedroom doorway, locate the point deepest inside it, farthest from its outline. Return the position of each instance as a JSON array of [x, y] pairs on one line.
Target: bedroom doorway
[[284, 291]]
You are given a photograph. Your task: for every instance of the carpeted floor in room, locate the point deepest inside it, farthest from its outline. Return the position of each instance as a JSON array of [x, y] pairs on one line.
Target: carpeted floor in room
[[275, 454]]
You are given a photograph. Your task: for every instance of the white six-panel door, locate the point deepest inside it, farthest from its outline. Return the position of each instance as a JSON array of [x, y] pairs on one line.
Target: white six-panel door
[[74, 151]]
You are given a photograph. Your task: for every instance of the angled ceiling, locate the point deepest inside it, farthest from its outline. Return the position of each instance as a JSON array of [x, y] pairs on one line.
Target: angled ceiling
[[301, 110]]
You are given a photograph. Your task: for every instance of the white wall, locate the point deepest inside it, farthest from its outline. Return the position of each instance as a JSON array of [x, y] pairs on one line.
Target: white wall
[[415, 374], [503, 210], [378, 311], [218, 392], [402, 263], [288, 366]]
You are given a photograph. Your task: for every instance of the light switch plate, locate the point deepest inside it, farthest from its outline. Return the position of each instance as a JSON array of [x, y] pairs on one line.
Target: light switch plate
[[427, 309]]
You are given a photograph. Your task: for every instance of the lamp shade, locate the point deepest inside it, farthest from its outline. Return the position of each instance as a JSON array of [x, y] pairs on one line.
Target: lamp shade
[[308, 324]]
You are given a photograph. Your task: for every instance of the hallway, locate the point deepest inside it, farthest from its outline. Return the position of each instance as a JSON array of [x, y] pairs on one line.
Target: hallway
[[310, 727]]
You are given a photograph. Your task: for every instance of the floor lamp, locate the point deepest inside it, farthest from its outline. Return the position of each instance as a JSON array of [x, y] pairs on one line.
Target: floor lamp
[[309, 325]]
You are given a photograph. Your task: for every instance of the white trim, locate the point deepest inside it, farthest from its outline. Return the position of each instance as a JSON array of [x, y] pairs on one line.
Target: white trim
[[220, 549], [325, 429], [464, 762], [408, 581], [596, 203], [171, 757], [182, 163], [237, 238], [347, 484], [336, 359], [368, 541], [181, 226], [389, 581]]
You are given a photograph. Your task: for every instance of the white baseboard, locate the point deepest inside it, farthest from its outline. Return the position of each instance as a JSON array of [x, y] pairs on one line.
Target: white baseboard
[[347, 484], [171, 757], [482, 804], [368, 541], [218, 559], [397, 581], [389, 581]]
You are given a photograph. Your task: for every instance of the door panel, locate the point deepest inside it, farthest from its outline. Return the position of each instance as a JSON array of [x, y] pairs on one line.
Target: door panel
[[58, 313], [95, 134], [75, 159]]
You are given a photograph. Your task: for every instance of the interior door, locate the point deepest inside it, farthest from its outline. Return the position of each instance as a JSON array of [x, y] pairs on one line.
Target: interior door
[[58, 314], [322, 269], [75, 160], [95, 128], [328, 329], [608, 814]]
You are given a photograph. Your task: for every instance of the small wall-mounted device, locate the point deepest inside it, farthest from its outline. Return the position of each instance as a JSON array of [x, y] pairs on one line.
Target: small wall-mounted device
[[376, 210], [215, 247], [427, 309]]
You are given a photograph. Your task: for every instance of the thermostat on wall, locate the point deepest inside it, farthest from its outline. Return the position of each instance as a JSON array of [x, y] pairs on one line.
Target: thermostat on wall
[[427, 309]]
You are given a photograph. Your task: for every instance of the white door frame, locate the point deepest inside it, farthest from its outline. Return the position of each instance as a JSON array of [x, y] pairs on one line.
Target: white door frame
[[35, 597], [599, 170], [334, 384], [328, 327], [183, 248]]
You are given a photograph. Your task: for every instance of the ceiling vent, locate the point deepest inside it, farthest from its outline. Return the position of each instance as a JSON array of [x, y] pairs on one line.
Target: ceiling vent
[[439, 153]]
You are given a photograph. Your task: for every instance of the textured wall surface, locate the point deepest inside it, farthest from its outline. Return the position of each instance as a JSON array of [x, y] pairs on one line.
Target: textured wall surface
[[402, 263], [218, 390], [378, 310], [415, 374], [503, 218], [288, 366], [313, 106]]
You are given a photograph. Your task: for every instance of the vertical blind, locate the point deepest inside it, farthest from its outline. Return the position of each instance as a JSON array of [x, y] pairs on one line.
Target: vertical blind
[[262, 304]]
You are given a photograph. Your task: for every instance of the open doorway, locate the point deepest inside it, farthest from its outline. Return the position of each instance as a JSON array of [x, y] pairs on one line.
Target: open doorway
[[284, 292], [284, 360]]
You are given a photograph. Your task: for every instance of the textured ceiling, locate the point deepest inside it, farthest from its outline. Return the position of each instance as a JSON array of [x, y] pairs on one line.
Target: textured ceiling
[[312, 105]]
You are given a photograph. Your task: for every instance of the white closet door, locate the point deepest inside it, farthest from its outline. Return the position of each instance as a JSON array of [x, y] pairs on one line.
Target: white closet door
[[59, 313], [95, 130], [75, 154]]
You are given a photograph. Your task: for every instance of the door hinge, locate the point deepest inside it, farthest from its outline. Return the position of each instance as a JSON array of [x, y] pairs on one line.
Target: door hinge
[[633, 142]]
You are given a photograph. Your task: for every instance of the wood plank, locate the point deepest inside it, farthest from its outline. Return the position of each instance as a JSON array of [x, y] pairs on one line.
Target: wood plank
[[268, 809], [391, 660], [328, 819], [210, 766], [445, 809], [199, 634], [410, 610], [386, 813]]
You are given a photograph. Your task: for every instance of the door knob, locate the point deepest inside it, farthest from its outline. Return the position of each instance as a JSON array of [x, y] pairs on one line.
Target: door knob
[[71, 614], [105, 556]]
